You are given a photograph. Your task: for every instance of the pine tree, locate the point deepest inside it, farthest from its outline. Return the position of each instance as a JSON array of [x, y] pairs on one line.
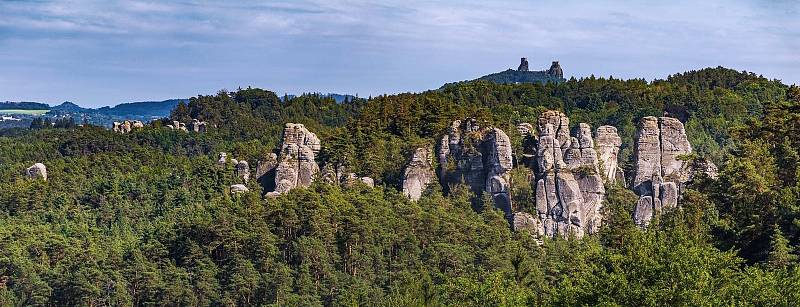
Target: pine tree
[[780, 254]]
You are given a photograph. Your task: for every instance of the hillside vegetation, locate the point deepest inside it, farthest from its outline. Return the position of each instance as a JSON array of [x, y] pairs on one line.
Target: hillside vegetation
[[146, 218]]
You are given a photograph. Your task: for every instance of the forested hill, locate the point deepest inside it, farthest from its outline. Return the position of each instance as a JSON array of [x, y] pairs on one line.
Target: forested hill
[[148, 217]]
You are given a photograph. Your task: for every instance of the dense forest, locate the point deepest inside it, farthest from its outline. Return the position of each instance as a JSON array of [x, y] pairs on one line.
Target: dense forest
[[146, 218]]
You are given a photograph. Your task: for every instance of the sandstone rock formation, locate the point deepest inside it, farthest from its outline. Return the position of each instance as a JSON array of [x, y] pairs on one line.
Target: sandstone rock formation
[[569, 187], [498, 165], [243, 170], [197, 126], [607, 142], [368, 181], [480, 158], [37, 170], [223, 158], [296, 163], [265, 171], [239, 188], [659, 170], [418, 174], [523, 221], [127, 126]]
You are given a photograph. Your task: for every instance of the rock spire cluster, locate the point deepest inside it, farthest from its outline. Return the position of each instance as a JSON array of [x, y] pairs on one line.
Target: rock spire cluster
[[479, 157], [127, 126], [297, 163], [660, 171], [569, 185]]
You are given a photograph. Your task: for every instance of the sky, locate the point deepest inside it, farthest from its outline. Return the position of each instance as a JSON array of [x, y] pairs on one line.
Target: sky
[[103, 52]]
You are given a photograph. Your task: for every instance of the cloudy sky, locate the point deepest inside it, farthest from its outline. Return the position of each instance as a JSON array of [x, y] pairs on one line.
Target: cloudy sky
[[106, 52]]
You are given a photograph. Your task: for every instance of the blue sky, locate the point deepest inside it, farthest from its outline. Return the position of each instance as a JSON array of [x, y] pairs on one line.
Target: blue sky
[[106, 52]]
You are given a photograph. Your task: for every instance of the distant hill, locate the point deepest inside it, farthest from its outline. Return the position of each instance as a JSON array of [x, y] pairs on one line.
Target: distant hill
[[143, 108], [23, 105], [522, 75], [516, 76], [68, 106]]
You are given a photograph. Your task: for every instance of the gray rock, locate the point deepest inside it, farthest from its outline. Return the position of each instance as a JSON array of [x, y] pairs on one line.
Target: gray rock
[[523, 221], [37, 170], [674, 143], [647, 152], [500, 162], [608, 142], [705, 167], [266, 165], [272, 195], [418, 174], [296, 162], [569, 187], [368, 181], [668, 195], [644, 211], [239, 188], [243, 170], [660, 171], [223, 158], [525, 129]]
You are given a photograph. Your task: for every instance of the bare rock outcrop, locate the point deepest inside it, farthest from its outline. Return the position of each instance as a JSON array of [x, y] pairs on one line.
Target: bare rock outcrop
[[569, 187], [418, 174], [126, 126], [296, 163], [660, 171], [481, 158], [608, 142], [243, 170], [197, 126], [37, 170], [239, 188], [523, 221], [223, 158]]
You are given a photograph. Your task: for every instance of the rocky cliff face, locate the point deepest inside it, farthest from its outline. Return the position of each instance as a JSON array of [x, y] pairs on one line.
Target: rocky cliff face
[[481, 158], [659, 171], [418, 174], [569, 187], [296, 162], [607, 142]]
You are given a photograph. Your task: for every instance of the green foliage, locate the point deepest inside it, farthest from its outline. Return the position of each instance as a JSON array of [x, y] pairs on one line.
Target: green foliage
[[146, 218]]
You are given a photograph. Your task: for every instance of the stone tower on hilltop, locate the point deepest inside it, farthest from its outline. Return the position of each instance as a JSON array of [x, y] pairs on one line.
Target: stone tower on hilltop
[[523, 65], [555, 70]]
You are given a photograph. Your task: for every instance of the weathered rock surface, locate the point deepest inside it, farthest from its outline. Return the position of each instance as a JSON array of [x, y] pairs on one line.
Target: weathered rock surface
[[555, 70], [37, 170], [265, 171], [243, 170], [127, 126], [197, 126], [608, 142], [481, 158], [296, 163], [368, 181], [499, 164], [659, 170], [223, 158], [239, 188], [523, 221], [569, 187], [418, 174]]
